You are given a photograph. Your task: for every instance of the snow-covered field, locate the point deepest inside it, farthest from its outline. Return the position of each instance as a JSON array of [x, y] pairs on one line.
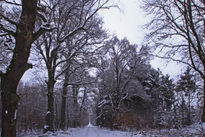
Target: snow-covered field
[[91, 131]]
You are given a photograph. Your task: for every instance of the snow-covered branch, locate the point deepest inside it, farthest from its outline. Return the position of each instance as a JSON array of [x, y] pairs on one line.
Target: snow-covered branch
[[7, 31], [71, 34], [12, 3], [44, 28], [7, 19], [81, 83], [3, 34]]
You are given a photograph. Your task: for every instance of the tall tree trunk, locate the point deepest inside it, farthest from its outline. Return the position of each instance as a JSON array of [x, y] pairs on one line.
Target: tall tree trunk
[[83, 101], [9, 108], [189, 109], [203, 113], [10, 80], [63, 104], [50, 109], [75, 89], [57, 119]]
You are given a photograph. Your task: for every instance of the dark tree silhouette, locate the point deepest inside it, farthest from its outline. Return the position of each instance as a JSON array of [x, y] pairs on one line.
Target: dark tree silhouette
[[24, 36]]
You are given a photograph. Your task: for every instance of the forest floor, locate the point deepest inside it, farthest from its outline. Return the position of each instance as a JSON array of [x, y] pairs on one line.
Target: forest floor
[[196, 130]]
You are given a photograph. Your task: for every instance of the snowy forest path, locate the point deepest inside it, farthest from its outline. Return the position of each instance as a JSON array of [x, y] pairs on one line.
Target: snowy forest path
[[88, 131], [93, 131]]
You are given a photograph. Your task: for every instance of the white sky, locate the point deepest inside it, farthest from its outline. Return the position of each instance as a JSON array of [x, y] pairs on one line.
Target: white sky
[[128, 22]]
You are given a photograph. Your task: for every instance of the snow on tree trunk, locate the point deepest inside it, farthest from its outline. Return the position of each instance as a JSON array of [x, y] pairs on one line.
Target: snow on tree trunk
[[50, 110]]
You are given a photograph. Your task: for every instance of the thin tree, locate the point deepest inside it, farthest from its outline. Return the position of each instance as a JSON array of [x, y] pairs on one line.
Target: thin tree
[[186, 84]]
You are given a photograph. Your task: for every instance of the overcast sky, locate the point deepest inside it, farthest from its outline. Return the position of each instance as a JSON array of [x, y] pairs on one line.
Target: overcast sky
[[128, 22]]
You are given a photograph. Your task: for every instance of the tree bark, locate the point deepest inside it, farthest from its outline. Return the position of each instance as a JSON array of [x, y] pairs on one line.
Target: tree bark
[[203, 113], [83, 101], [18, 66], [189, 109], [63, 104], [75, 89], [50, 110], [9, 109]]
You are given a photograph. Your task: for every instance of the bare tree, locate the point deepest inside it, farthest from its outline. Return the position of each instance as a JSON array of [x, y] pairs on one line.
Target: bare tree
[[123, 65], [77, 75], [24, 34], [119, 78], [77, 26], [177, 28], [187, 85]]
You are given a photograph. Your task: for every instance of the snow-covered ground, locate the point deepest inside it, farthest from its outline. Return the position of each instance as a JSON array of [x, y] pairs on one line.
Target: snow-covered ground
[[91, 131]]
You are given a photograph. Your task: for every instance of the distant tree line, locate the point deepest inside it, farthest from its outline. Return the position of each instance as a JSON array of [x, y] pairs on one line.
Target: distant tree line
[[176, 32], [134, 95]]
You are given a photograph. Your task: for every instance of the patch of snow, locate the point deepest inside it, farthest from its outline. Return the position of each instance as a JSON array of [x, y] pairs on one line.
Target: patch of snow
[[203, 125], [45, 126], [15, 114], [89, 125], [93, 131], [3, 34]]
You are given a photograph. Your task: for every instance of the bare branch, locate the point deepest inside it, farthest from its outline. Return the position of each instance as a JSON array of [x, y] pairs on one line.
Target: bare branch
[[3, 34], [70, 34], [12, 3], [42, 16], [41, 31], [82, 83], [7, 19], [7, 31]]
